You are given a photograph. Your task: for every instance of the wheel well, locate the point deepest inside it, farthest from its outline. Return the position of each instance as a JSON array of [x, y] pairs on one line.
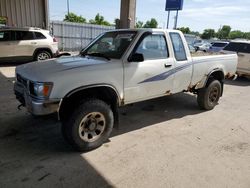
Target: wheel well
[[42, 49], [217, 75], [104, 93]]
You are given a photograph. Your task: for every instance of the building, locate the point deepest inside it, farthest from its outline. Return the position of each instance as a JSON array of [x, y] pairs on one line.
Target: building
[[25, 13]]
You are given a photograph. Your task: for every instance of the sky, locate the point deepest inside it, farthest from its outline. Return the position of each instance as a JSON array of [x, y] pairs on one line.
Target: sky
[[196, 14]]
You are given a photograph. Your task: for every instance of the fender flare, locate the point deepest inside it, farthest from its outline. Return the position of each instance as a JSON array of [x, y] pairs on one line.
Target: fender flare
[[204, 81]]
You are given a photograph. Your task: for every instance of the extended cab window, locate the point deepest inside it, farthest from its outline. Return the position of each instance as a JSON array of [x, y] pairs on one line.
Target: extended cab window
[[179, 50], [153, 46]]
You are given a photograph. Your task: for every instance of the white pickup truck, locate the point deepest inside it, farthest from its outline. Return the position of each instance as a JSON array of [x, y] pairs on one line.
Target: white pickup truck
[[118, 68]]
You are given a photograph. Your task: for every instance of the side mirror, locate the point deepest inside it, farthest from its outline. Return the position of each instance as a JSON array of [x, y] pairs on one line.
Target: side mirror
[[136, 58]]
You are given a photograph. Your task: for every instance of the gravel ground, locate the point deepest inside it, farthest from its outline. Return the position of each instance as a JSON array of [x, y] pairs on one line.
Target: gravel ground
[[166, 142]]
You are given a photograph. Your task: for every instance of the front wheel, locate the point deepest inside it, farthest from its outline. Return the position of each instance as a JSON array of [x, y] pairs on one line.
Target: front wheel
[[89, 126], [208, 97]]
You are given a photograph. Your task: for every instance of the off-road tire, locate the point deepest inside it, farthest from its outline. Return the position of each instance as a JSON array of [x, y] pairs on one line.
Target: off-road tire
[[209, 96], [71, 125]]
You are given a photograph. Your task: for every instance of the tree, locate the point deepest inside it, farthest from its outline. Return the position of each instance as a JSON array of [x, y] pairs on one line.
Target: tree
[[99, 20], [71, 17], [185, 30], [139, 24], [223, 33], [247, 35], [236, 34], [196, 33], [208, 34], [151, 23]]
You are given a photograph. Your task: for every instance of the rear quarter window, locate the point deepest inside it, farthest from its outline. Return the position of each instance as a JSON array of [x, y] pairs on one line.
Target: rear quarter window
[[39, 35]]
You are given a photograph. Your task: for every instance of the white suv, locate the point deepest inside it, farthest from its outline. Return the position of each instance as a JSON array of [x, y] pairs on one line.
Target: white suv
[[242, 48], [26, 44]]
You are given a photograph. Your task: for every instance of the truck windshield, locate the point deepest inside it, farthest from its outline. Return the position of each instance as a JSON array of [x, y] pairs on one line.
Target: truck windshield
[[110, 45]]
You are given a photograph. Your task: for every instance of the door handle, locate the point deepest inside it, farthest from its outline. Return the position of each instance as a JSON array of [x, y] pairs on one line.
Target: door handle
[[167, 65], [33, 43]]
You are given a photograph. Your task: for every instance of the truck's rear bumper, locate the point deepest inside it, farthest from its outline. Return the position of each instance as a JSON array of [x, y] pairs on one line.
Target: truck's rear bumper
[[36, 107]]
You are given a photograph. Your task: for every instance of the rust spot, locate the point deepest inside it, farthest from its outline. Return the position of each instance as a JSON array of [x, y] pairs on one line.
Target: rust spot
[[122, 102]]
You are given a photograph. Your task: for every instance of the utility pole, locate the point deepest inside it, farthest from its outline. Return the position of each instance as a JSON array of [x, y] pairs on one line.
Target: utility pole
[[68, 6]]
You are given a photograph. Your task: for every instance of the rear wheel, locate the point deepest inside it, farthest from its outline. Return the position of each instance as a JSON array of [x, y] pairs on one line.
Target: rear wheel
[[89, 126], [42, 55], [208, 97]]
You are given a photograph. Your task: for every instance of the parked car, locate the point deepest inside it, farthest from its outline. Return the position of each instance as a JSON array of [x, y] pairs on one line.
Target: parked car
[[203, 46], [118, 68], [217, 46], [242, 48], [26, 44], [191, 48]]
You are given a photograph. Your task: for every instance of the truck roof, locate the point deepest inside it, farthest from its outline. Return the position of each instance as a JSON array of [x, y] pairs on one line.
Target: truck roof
[[147, 29]]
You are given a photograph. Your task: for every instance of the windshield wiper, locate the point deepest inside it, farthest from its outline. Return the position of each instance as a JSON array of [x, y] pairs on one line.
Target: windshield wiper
[[97, 54]]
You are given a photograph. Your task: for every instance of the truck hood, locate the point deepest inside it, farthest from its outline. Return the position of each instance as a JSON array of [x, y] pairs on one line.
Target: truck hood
[[38, 71]]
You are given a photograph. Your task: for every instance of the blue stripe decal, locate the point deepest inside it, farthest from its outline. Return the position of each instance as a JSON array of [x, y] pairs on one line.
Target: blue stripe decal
[[167, 74]]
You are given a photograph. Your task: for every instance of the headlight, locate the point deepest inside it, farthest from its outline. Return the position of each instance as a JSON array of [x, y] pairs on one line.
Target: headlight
[[41, 90]]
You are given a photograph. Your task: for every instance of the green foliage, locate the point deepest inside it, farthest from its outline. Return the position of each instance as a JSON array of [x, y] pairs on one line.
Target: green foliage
[[3, 20], [247, 35], [99, 20], [185, 30], [139, 24], [71, 17], [236, 34], [223, 33], [151, 23], [208, 34], [196, 33]]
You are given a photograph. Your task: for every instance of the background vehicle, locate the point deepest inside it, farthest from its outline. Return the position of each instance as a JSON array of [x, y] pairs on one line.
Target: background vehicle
[[26, 44], [242, 48], [191, 48], [203, 46], [118, 68], [217, 46]]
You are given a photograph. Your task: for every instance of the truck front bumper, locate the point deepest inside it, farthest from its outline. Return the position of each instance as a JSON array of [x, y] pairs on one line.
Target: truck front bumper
[[35, 106]]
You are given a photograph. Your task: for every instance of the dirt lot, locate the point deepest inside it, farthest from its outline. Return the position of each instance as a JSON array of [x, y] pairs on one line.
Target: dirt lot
[[166, 142]]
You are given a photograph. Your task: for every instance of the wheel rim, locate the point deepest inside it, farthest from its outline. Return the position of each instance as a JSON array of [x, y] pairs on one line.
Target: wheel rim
[[92, 126], [214, 95], [43, 56]]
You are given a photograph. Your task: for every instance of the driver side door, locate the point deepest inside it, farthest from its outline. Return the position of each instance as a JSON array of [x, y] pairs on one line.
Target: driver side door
[[151, 77]]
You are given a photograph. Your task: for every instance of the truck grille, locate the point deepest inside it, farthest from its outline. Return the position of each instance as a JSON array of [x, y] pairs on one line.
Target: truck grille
[[22, 80]]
